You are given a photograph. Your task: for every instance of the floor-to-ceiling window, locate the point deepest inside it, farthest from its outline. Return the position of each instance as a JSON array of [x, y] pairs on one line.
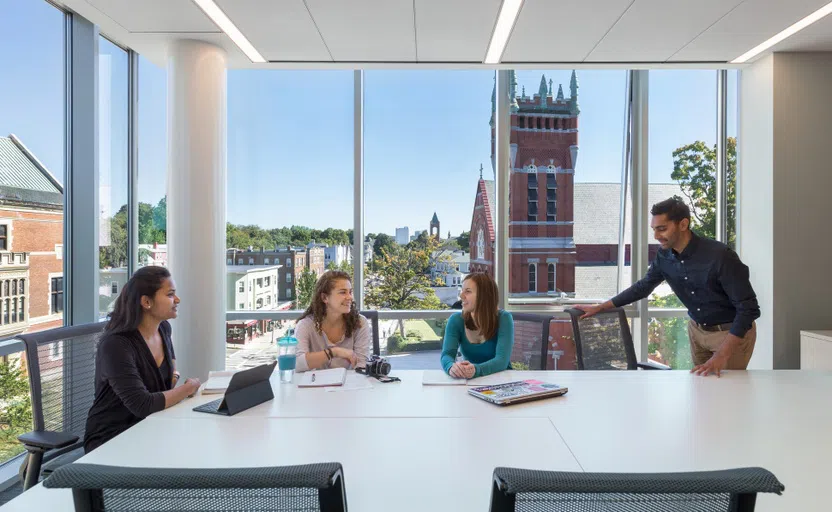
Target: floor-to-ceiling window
[[682, 163], [290, 193], [152, 164], [113, 146], [32, 165]]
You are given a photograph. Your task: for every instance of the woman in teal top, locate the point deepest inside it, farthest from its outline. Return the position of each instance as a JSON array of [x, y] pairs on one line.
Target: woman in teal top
[[483, 333]]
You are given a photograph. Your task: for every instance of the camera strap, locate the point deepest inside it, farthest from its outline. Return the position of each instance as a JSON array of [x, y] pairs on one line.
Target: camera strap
[[384, 379]]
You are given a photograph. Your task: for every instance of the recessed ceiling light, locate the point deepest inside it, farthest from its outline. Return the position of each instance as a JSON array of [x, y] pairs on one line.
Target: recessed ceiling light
[[213, 11], [509, 11], [790, 31]]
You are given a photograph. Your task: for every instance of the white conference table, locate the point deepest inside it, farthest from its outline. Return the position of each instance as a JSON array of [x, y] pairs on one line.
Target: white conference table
[[409, 447]]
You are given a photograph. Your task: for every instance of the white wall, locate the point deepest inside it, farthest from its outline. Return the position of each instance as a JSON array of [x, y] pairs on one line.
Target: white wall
[[785, 186]]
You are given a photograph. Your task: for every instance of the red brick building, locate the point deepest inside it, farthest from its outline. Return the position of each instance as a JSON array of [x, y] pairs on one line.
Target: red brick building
[[543, 150], [292, 261], [31, 242], [551, 252]]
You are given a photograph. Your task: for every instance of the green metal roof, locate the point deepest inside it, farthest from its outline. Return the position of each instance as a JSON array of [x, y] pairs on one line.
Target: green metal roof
[[19, 169]]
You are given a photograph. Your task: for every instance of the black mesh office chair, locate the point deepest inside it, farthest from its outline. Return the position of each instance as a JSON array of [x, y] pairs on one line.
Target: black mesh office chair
[[96, 488], [61, 366], [733, 490], [604, 342], [531, 336], [372, 316]]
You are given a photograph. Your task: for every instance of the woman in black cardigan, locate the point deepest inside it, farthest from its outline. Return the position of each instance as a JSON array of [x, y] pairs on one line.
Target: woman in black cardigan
[[135, 367]]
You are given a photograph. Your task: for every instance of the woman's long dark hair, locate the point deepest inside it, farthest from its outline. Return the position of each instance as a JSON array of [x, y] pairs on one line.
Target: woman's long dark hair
[[486, 312], [317, 308], [127, 312]]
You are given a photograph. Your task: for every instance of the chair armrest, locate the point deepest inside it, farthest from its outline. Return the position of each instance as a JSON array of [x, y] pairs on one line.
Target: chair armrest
[[46, 439], [653, 365]]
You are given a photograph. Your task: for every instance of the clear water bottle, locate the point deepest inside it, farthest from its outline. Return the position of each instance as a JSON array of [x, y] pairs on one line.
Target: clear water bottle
[[287, 348]]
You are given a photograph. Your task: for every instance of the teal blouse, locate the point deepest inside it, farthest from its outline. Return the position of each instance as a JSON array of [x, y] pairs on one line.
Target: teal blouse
[[490, 356]]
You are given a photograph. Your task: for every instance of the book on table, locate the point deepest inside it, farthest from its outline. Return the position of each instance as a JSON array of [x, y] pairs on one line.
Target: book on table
[[323, 378]]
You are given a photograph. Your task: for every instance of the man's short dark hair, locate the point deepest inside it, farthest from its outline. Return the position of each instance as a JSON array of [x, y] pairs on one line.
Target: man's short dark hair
[[675, 209]]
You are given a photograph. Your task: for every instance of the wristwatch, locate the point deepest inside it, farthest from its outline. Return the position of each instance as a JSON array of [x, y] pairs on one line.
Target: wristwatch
[[328, 352]]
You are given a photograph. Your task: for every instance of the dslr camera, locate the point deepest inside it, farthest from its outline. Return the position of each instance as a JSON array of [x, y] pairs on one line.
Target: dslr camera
[[377, 366]]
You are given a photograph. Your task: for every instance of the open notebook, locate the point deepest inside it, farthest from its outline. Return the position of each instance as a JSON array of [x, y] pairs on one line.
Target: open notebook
[[440, 378], [323, 378], [217, 382]]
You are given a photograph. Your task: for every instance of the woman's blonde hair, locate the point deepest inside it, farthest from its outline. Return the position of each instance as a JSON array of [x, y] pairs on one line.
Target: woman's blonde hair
[[317, 308], [485, 311]]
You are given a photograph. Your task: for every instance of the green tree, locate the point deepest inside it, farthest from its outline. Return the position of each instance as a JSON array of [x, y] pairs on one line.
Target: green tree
[[694, 167], [15, 408], [381, 243], [345, 266], [400, 281], [464, 241], [114, 255], [160, 215], [147, 231], [305, 288]]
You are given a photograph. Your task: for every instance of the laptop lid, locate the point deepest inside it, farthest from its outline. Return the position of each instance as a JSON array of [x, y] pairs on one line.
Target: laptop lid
[[517, 392]]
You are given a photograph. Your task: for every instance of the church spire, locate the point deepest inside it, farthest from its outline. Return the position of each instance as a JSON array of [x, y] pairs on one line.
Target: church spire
[[560, 92], [573, 92], [480, 171], [541, 91]]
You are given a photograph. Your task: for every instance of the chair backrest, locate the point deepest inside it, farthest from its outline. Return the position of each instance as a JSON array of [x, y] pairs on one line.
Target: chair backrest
[[531, 340], [603, 341], [61, 366], [372, 316], [96, 488], [733, 490]]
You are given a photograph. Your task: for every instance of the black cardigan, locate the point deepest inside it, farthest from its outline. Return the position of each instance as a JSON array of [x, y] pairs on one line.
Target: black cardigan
[[128, 384]]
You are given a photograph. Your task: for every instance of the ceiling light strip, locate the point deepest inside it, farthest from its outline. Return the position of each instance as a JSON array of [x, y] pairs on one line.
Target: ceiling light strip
[[790, 31], [509, 10], [212, 10]]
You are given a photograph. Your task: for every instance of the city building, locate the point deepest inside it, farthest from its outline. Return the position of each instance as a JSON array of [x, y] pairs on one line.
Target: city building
[[31, 242], [403, 235], [251, 288], [292, 261]]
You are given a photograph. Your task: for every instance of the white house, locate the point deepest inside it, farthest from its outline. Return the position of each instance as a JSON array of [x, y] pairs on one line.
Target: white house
[[252, 287], [450, 266], [337, 254]]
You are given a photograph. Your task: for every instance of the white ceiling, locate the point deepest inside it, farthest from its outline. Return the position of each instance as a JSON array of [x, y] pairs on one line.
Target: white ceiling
[[326, 33]]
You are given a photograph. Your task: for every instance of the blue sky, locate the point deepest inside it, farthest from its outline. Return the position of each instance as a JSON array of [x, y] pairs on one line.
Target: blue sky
[[290, 133]]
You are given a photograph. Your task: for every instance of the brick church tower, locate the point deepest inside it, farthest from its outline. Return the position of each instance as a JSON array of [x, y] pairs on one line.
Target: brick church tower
[[543, 151]]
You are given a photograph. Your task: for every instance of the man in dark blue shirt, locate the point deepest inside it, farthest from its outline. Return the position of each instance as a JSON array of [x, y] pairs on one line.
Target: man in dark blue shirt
[[710, 280]]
